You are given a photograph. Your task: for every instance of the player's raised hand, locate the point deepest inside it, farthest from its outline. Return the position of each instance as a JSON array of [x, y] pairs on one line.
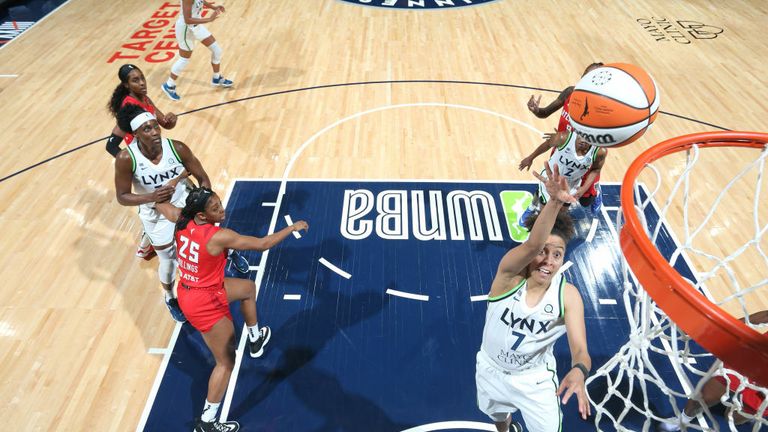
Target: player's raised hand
[[556, 185], [525, 163], [533, 104], [300, 225], [573, 383]]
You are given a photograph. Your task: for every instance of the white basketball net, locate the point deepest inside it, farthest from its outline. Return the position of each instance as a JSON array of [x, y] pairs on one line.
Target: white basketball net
[[629, 392]]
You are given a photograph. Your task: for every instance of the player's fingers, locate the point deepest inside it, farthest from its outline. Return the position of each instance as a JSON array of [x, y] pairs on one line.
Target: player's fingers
[[567, 395]]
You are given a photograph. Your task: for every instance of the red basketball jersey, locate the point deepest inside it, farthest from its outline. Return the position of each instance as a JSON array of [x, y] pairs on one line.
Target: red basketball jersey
[[198, 268], [147, 107], [565, 117]]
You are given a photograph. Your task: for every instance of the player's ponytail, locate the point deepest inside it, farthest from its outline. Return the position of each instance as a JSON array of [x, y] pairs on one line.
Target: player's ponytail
[[196, 202]]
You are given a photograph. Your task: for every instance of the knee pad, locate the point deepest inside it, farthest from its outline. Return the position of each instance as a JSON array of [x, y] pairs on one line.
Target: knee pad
[[166, 270], [216, 52], [179, 65]]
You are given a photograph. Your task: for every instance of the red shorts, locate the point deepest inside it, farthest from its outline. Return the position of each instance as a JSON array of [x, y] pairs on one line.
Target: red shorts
[[204, 307], [751, 398]]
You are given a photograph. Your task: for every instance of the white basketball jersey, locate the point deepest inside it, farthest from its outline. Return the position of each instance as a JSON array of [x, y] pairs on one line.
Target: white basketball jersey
[[571, 166], [517, 337], [196, 12], [148, 176]]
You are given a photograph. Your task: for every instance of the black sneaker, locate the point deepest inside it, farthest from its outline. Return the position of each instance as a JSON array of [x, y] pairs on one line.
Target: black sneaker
[[515, 427], [175, 310], [256, 349], [239, 262], [216, 426]]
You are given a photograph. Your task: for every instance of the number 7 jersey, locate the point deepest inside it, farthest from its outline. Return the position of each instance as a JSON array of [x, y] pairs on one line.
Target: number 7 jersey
[[518, 337], [198, 268]]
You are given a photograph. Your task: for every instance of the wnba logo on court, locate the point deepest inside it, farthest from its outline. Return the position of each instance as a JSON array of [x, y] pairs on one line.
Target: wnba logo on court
[[418, 4], [427, 215]]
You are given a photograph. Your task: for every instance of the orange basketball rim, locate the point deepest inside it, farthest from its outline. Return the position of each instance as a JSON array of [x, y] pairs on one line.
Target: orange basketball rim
[[731, 340]]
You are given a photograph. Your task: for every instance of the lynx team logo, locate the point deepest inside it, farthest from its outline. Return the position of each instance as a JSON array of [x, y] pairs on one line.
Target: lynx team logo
[[418, 4]]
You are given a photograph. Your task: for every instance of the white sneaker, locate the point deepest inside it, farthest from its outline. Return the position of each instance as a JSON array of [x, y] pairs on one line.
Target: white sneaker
[[145, 249]]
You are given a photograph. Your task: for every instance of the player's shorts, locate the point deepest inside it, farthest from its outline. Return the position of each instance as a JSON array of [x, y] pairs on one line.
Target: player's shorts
[[159, 229], [533, 392], [187, 35], [203, 307], [750, 398]]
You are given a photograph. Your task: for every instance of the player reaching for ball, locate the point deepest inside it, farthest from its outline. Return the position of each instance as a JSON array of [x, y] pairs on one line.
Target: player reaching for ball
[[579, 163], [530, 306], [564, 125]]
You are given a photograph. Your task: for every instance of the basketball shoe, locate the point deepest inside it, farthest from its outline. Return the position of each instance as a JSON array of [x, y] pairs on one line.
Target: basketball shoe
[[526, 214], [145, 249], [175, 310], [221, 81], [515, 427], [238, 262], [256, 348], [170, 91], [216, 426]]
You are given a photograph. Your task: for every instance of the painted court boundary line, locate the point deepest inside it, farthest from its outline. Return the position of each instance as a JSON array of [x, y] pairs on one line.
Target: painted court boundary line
[[335, 269]]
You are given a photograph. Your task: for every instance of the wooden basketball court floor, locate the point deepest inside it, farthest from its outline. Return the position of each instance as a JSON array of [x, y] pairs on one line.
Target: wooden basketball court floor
[[79, 314]]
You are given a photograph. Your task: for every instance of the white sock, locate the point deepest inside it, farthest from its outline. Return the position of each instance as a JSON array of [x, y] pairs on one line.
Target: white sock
[[685, 417], [171, 82], [168, 295], [253, 332], [209, 411], [216, 75]]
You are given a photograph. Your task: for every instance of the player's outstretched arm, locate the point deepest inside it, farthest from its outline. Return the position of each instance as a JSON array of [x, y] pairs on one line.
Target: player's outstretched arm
[[515, 261], [228, 239], [551, 140], [557, 104]]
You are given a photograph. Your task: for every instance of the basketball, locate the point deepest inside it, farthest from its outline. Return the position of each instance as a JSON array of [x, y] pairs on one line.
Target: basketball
[[614, 105]]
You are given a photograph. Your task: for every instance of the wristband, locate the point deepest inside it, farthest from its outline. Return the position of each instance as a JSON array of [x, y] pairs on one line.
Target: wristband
[[582, 368]]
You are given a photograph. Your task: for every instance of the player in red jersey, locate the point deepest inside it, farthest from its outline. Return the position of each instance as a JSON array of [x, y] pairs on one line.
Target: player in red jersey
[[592, 195], [132, 90], [204, 293], [716, 387]]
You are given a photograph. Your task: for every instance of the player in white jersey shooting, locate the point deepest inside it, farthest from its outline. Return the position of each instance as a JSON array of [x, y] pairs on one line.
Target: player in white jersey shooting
[[579, 162], [189, 30], [530, 306], [150, 171]]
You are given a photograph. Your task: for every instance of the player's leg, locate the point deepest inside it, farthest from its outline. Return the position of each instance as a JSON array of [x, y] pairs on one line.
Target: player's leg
[[711, 392], [216, 54], [535, 393], [245, 291], [492, 392], [185, 38], [160, 231], [220, 340]]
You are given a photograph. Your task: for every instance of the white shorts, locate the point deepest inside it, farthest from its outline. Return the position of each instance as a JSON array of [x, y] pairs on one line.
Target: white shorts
[[159, 229], [187, 35], [533, 392]]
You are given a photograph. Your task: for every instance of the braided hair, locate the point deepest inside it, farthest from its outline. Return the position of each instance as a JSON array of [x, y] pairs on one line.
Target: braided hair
[[121, 91], [196, 202]]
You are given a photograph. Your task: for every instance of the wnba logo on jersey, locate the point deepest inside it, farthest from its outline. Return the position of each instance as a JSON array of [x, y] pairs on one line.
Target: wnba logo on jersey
[[418, 4]]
